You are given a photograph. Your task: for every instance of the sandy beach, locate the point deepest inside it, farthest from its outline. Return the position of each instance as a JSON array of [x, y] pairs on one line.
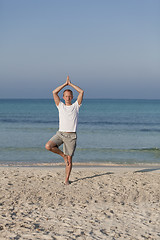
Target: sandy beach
[[100, 203]]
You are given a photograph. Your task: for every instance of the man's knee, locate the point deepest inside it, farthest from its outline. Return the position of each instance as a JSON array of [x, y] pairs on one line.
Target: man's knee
[[48, 146]]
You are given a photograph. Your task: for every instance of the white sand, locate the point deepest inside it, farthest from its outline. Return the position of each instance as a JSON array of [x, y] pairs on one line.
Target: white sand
[[100, 203]]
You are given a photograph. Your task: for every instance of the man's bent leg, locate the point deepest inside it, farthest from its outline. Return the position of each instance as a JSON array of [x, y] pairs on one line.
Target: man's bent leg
[[51, 146], [68, 169]]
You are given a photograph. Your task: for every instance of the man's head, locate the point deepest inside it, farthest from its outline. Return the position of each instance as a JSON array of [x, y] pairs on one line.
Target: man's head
[[68, 96]]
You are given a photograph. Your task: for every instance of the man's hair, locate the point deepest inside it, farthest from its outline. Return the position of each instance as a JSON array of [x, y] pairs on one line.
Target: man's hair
[[68, 91]]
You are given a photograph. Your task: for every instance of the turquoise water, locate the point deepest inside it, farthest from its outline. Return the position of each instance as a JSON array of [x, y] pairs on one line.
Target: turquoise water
[[109, 131]]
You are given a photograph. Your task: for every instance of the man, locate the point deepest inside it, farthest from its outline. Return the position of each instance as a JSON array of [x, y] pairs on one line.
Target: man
[[68, 117]]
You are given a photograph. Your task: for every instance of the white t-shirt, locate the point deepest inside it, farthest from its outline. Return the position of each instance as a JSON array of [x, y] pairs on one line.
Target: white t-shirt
[[68, 117]]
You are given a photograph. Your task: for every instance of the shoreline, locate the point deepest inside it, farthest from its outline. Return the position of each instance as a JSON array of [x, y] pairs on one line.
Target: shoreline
[[83, 165]]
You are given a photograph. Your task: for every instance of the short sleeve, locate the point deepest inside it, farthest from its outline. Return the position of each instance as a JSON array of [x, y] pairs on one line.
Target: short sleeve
[[78, 104], [59, 105]]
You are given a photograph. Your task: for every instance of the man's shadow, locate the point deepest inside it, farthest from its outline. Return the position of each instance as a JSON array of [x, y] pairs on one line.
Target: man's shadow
[[147, 170], [90, 177]]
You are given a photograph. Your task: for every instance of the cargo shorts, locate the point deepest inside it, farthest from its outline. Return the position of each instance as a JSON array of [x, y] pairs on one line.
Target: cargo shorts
[[68, 139]]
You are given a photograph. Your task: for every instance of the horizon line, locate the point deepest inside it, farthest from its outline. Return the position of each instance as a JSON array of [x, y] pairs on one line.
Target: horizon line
[[83, 98]]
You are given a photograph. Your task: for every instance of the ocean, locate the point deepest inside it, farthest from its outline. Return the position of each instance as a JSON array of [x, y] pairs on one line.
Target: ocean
[[110, 131]]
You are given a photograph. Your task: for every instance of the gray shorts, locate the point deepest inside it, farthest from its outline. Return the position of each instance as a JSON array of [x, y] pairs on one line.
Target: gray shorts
[[67, 139]]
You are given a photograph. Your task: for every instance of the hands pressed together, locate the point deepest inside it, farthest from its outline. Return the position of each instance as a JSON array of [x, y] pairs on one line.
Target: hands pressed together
[[68, 82]]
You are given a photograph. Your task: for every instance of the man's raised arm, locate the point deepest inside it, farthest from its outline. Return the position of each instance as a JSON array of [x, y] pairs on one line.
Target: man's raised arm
[[78, 89], [56, 91]]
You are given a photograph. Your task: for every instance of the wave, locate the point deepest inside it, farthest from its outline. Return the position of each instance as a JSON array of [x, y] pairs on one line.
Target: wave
[[109, 150], [33, 128], [22, 149], [27, 121], [118, 123], [150, 130], [150, 149], [102, 150], [147, 127]]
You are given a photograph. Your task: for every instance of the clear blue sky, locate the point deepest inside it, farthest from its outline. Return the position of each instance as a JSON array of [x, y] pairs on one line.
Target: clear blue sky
[[110, 48]]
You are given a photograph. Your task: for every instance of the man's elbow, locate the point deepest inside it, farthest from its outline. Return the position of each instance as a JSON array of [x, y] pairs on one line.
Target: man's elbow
[[54, 94], [81, 94]]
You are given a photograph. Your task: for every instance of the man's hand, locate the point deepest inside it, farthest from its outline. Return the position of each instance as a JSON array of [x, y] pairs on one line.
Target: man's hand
[[68, 82]]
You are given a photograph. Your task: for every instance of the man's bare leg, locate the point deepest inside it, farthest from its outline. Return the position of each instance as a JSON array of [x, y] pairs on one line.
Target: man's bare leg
[[51, 146], [68, 169]]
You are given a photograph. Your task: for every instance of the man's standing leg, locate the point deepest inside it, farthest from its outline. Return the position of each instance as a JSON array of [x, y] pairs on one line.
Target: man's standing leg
[[69, 146], [68, 169]]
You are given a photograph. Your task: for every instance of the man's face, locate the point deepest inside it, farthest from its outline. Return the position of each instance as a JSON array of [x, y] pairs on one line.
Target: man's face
[[68, 97]]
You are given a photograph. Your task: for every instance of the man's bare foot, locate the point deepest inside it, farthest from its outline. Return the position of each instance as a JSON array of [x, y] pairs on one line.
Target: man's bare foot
[[66, 160], [67, 182]]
